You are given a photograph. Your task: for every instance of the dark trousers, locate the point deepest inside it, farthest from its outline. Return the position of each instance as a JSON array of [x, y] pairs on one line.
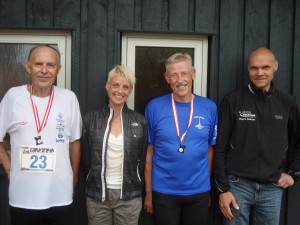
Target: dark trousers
[[53, 216], [180, 210]]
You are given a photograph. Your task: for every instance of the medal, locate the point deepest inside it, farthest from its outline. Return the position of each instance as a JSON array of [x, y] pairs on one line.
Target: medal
[[39, 125], [38, 140], [175, 116], [181, 148]]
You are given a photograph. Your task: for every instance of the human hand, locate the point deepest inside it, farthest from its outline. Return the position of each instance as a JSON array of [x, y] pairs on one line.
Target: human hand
[[285, 181], [148, 206], [225, 200]]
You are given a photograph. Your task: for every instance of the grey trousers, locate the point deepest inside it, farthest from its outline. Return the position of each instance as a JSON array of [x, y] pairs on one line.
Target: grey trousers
[[113, 211]]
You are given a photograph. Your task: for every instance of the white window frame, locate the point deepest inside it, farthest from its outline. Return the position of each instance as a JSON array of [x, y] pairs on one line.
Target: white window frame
[[60, 38], [198, 42]]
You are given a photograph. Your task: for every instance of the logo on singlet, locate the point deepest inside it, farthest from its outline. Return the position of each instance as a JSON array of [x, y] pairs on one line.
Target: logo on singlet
[[60, 127]]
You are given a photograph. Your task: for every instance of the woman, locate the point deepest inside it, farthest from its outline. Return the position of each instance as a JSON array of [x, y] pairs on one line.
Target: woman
[[114, 149]]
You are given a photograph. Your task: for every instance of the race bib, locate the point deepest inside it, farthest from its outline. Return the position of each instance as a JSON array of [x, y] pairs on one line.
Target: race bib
[[38, 159]]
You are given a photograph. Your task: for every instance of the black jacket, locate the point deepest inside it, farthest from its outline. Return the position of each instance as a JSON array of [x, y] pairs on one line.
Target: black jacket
[[256, 132], [96, 128]]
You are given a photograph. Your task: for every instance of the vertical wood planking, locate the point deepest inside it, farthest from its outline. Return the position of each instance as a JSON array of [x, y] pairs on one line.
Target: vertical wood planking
[[138, 14], [257, 25], [281, 41], [296, 61], [83, 55], [152, 15], [13, 13], [231, 46], [3, 12], [124, 14], [178, 15], [206, 16], [96, 53], [40, 13], [192, 17]]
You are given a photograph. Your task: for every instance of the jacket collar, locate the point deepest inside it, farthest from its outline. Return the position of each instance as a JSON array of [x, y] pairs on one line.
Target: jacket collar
[[259, 92], [107, 109]]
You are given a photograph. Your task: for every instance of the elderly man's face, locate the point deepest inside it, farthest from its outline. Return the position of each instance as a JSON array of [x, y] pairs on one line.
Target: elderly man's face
[[43, 67], [180, 76]]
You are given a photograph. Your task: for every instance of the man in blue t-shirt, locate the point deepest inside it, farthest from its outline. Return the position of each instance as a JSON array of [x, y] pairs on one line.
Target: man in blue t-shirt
[[182, 132]]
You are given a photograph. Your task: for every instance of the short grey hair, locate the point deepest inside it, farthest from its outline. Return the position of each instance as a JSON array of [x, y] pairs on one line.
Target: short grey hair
[[177, 57]]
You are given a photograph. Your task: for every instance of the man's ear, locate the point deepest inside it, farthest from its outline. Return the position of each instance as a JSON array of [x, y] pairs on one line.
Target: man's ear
[[59, 67], [193, 73], [166, 77], [27, 67], [276, 66]]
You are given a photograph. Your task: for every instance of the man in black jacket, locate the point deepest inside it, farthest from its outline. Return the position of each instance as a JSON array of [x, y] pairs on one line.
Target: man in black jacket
[[251, 166]]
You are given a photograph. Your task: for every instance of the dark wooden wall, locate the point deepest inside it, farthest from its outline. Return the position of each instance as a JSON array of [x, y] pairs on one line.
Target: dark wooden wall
[[235, 27]]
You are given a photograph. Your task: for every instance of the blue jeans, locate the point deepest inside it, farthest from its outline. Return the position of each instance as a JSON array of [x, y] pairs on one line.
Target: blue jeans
[[262, 200]]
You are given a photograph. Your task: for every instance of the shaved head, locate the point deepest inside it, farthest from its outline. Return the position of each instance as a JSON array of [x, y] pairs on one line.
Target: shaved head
[[261, 51]]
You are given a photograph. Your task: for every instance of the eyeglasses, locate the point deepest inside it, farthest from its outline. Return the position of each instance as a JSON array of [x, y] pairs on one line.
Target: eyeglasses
[[176, 76]]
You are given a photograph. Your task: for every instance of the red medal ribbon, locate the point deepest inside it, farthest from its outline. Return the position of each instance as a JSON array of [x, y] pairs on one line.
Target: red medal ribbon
[[39, 125], [176, 119]]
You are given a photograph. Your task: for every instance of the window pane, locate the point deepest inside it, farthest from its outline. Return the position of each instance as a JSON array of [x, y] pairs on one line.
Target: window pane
[[12, 71], [149, 72]]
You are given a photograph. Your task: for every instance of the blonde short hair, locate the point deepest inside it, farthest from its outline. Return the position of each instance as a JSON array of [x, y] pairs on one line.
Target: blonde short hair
[[123, 71]]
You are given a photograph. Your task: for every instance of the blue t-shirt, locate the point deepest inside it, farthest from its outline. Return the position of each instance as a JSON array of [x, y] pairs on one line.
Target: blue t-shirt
[[174, 172]]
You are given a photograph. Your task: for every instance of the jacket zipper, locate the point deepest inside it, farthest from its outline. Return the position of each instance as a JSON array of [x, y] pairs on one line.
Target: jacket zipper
[[104, 154], [122, 175], [262, 102], [137, 171]]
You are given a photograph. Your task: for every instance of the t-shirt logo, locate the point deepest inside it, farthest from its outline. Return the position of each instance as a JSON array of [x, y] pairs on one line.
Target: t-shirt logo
[[247, 116], [60, 127], [199, 126]]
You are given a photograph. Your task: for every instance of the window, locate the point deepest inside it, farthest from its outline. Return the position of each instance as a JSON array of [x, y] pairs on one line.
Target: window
[[146, 54]]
